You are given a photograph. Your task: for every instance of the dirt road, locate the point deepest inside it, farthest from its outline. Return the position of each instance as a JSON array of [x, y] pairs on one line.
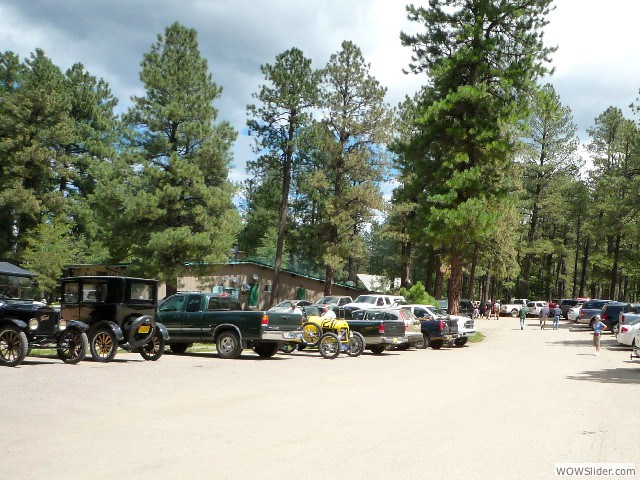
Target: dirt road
[[510, 407]]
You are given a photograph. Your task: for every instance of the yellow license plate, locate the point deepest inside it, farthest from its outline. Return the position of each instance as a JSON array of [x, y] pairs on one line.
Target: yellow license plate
[[144, 329], [395, 340]]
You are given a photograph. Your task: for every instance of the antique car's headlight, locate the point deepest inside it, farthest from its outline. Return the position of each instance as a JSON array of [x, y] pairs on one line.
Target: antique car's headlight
[[62, 324], [33, 324]]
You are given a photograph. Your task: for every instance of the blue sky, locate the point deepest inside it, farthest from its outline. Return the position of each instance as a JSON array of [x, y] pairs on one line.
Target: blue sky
[[597, 64]]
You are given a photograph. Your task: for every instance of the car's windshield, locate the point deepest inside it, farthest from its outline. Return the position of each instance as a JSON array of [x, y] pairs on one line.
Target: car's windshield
[[16, 288], [328, 300], [366, 299]]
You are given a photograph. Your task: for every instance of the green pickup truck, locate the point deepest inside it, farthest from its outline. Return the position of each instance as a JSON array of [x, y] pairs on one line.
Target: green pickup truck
[[212, 318]]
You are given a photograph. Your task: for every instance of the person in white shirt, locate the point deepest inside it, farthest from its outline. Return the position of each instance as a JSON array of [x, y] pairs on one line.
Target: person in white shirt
[[327, 312], [295, 309]]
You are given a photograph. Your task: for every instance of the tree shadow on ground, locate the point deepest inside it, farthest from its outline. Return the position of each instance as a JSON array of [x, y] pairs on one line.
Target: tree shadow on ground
[[624, 375]]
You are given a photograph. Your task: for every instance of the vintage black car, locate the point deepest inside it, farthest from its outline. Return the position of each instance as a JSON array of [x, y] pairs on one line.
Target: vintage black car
[[120, 311], [26, 323]]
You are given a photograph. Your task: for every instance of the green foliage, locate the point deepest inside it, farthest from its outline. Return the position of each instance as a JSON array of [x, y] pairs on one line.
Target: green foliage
[[170, 188], [49, 250], [417, 294]]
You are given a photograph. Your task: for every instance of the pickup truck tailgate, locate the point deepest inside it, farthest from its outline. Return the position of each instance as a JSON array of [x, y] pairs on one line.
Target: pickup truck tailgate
[[282, 321]]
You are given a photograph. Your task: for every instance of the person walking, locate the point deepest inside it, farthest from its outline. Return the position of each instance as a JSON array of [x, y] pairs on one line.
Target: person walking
[[496, 309], [556, 316], [598, 327], [524, 310], [542, 316]]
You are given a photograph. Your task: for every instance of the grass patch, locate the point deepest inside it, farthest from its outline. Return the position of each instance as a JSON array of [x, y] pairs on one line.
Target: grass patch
[[477, 338]]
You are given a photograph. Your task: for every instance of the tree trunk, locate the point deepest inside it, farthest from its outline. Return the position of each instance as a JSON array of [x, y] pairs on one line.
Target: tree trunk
[[405, 266], [171, 287], [614, 269], [575, 262], [472, 273], [583, 274], [455, 280], [438, 287], [328, 281], [282, 225]]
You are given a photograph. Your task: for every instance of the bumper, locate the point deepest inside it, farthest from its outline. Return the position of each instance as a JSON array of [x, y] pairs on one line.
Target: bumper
[[386, 340], [282, 336]]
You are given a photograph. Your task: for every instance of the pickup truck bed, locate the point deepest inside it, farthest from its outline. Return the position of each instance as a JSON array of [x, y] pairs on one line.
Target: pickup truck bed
[[380, 328]]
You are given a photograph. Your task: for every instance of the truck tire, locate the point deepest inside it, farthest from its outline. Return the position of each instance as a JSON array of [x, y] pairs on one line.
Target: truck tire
[[179, 347], [460, 341], [378, 349], [421, 344], [436, 344], [514, 312], [103, 345], [266, 350], [228, 345], [13, 346]]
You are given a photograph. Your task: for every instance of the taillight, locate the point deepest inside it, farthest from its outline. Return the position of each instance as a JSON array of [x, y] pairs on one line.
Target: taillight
[[624, 330], [265, 319], [622, 318], [441, 325], [580, 313], [381, 328]]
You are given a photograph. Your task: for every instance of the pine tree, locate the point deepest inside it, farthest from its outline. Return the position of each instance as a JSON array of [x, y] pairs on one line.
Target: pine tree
[[167, 199]]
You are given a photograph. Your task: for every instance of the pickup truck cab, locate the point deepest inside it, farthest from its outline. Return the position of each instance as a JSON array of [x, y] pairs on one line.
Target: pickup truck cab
[[208, 318]]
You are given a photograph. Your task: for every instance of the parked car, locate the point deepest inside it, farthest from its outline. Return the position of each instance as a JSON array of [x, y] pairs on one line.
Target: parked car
[[120, 312], [574, 312], [590, 311], [334, 300], [439, 328], [611, 314], [513, 308], [209, 318], [27, 324], [535, 307], [380, 327], [285, 305], [369, 301], [566, 304], [628, 330], [412, 330]]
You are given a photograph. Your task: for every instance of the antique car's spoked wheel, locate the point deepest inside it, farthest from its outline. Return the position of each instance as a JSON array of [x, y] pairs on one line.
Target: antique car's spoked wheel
[[13, 346], [311, 333], [356, 345], [72, 346], [103, 345], [329, 345], [154, 349]]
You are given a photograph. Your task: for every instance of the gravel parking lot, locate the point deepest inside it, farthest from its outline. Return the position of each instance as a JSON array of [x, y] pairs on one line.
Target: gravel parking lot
[[509, 407]]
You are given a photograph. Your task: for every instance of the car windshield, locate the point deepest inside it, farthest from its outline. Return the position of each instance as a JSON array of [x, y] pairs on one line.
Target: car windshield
[[328, 300], [16, 288], [366, 299]]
